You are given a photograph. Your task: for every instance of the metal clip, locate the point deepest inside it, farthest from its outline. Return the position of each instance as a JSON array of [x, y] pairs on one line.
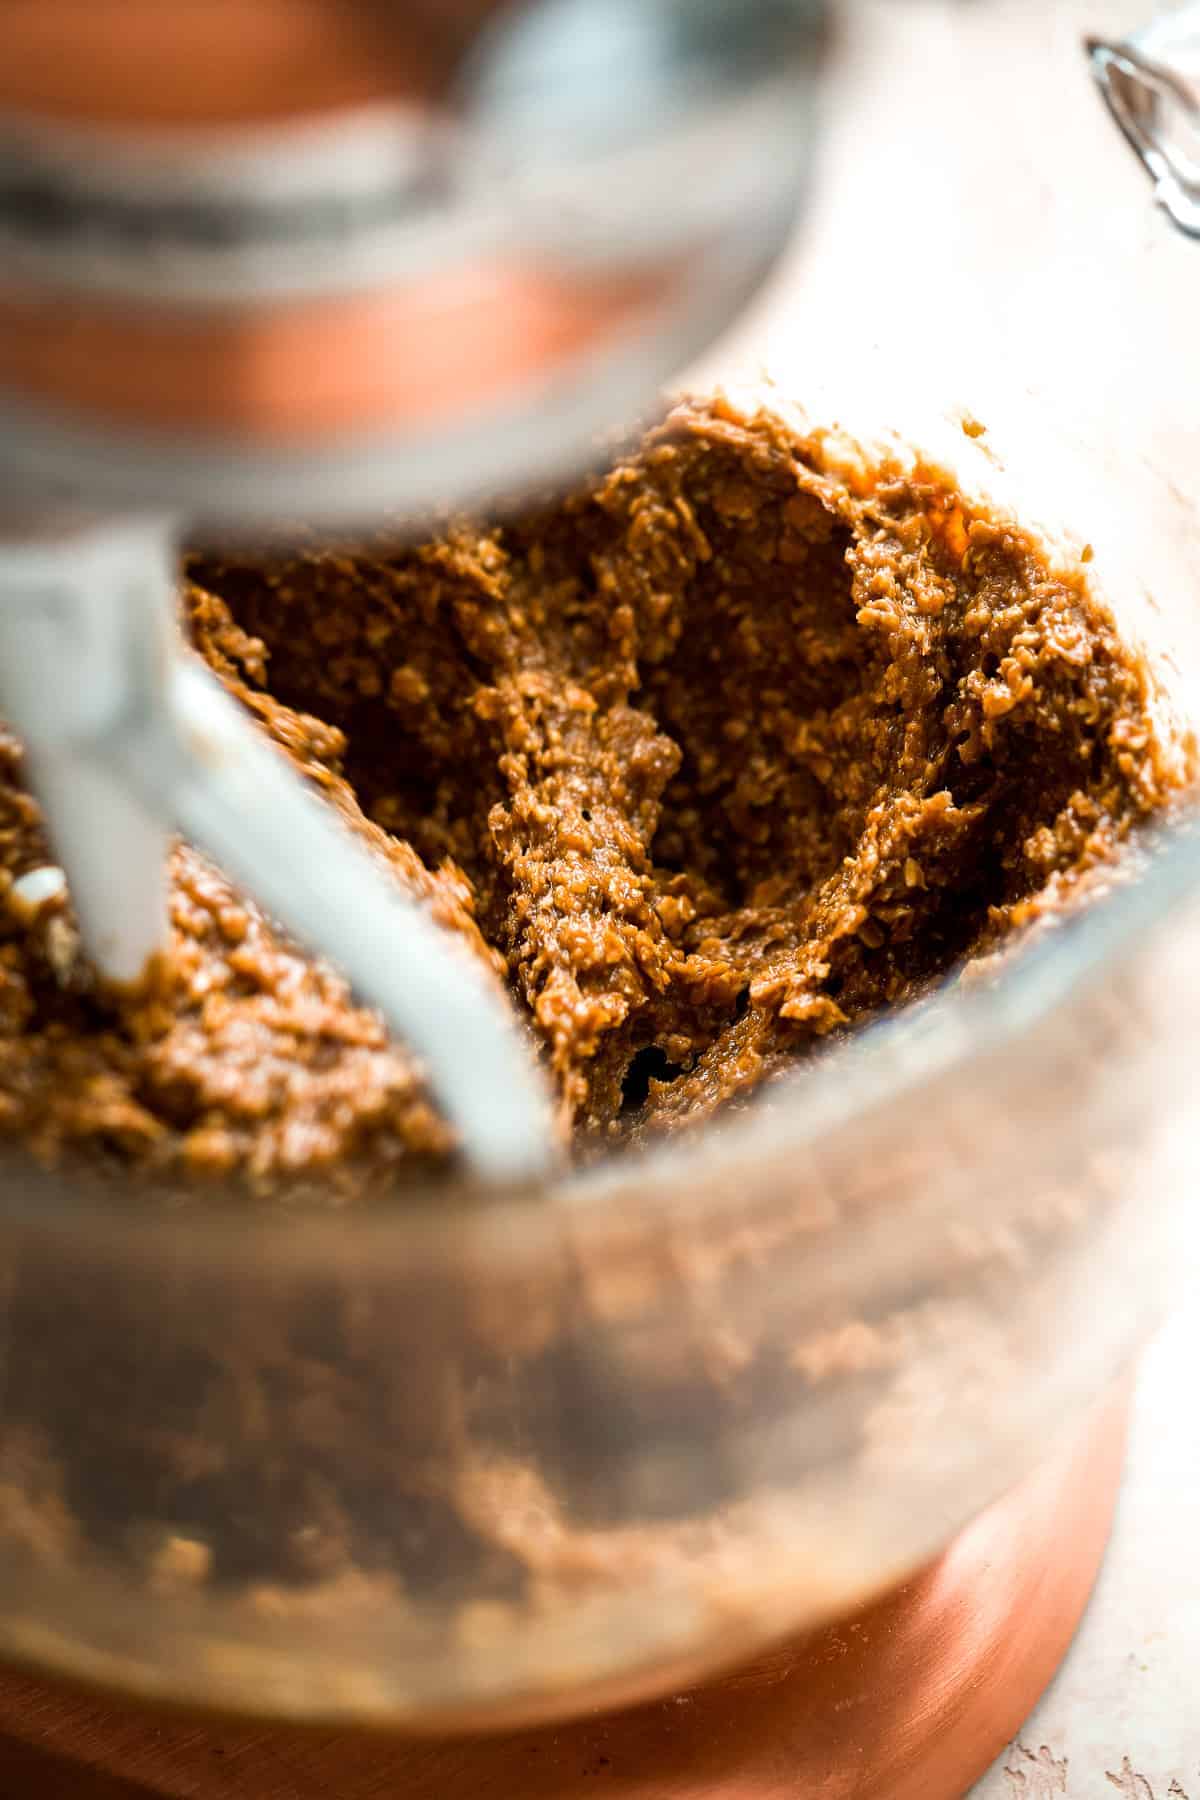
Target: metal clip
[[1151, 82]]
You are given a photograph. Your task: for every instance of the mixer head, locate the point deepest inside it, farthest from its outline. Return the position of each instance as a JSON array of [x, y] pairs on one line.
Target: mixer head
[[305, 259], [408, 268]]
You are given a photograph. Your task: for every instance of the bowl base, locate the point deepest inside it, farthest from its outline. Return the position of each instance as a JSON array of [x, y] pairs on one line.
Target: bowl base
[[910, 1699]]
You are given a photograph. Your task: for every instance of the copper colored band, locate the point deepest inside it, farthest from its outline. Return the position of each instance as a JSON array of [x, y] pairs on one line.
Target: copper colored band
[[326, 367], [195, 62], [909, 1699]]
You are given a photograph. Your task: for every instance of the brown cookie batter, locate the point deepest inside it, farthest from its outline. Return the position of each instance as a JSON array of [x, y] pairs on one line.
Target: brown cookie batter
[[715, 758]]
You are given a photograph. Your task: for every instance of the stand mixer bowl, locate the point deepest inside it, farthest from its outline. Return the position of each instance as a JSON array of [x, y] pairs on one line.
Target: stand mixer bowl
[[706, 1396]]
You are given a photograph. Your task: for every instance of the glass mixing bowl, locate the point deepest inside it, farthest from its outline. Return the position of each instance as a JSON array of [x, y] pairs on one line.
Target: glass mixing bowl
[[687, 1401]]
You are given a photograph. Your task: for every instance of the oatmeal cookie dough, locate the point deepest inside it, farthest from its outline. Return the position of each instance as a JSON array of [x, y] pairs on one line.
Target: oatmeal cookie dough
[[710, 761]]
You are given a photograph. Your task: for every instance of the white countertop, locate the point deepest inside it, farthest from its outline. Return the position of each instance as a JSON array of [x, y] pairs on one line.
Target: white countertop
[[1123, 1715]]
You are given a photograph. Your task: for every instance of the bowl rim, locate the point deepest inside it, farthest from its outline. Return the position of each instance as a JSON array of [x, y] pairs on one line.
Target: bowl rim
[[958, 1028]]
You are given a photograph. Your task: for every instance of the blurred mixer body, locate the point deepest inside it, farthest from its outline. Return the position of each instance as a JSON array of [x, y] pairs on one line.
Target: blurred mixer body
[[281, 257]]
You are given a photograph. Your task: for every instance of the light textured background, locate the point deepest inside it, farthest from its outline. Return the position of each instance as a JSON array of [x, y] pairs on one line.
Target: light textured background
[[1123, 1715]]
